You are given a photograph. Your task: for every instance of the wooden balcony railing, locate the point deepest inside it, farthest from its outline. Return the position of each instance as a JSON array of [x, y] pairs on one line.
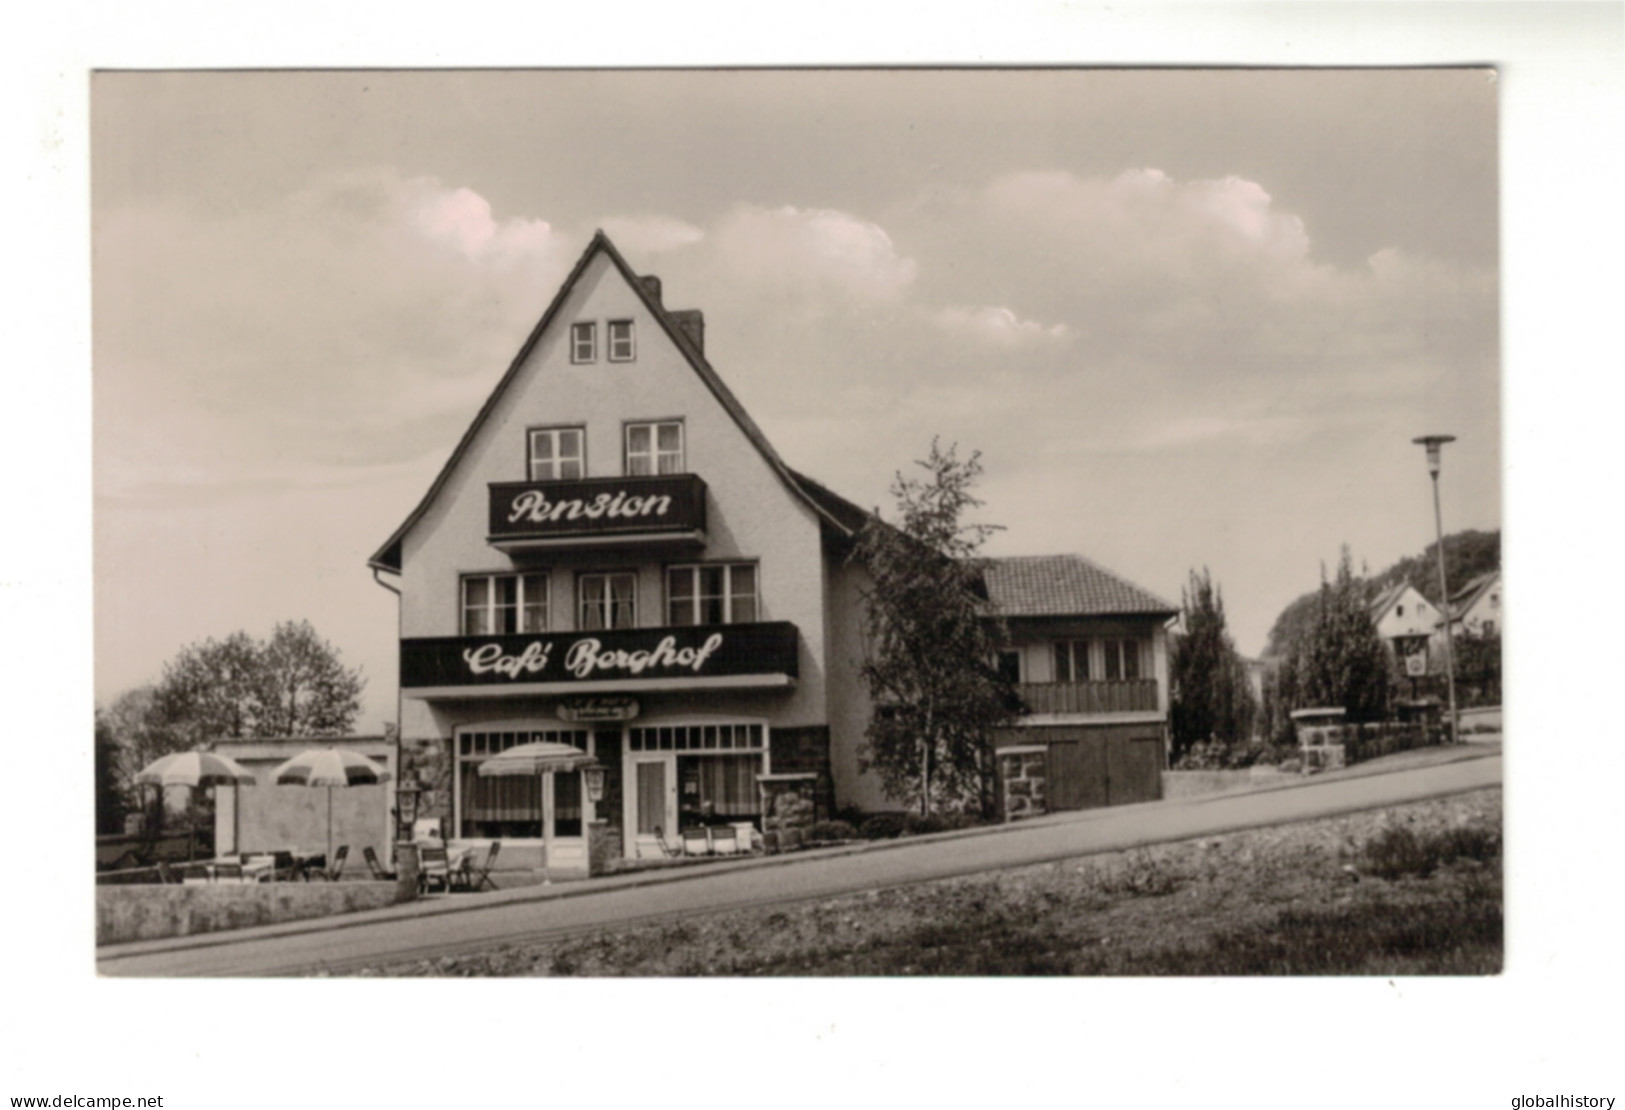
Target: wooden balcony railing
[[1129, 696]]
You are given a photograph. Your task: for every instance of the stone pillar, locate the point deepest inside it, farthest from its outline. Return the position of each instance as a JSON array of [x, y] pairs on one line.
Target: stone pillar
[[1022, 774], [603, 847], [406, 869]]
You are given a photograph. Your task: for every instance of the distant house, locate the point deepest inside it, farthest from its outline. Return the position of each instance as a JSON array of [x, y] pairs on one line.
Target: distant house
[[1089, 656], [1476, 607], [1405, 621]]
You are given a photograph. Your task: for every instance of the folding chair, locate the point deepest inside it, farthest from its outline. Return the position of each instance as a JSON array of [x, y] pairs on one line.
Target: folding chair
[[434, 867], [378, 870], [671, 851], [331, 874], [477, 876]]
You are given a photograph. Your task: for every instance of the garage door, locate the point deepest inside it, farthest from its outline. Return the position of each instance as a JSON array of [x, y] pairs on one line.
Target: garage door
[[1104, 771]]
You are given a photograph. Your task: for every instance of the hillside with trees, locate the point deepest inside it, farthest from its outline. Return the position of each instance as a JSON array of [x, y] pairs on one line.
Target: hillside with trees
[[1467, 554]]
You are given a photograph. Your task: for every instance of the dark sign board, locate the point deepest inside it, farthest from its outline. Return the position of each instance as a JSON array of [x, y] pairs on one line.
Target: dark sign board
[[597, 507], [702, 651]]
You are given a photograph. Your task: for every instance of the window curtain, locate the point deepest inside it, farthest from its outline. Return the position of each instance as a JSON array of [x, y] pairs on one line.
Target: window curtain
[[502, 798], [728, 785]]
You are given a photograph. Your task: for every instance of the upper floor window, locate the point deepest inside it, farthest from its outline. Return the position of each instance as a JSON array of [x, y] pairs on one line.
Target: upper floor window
[[1122, 660], [654, 448], [584, 341], [557, 454], [1009, 664], [1071, 660], [711, 593], [622, 347], [499, 604], [607, 601]]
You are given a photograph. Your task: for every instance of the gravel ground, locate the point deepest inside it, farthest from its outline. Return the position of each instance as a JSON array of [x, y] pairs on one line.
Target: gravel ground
[[1292, 899]]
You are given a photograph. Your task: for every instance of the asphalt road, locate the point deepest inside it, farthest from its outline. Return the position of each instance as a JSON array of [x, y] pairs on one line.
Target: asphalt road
[[420, 931]]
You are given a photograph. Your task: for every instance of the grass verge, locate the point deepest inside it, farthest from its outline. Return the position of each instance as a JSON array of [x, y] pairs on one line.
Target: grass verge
[[1414, 890]]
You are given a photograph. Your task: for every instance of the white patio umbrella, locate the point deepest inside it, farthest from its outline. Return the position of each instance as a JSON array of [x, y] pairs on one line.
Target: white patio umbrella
[[543, 758], [197, 769], [329, 767]]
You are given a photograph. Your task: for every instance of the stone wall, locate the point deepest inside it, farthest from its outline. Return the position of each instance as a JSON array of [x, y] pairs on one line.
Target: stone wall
[[1327, 747], [129, 913], [795, 751], [1022, 774]]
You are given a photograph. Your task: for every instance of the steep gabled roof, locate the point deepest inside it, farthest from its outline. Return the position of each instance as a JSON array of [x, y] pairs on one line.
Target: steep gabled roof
[[1064, 586], [822, 502], [1385, 600], [1466, 597]]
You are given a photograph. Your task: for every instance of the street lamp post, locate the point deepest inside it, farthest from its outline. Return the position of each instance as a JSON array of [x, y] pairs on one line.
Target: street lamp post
[[1433, 444]]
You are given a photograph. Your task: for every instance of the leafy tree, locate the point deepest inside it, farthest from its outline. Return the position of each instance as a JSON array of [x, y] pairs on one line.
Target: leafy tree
[[1209, 694], [1467, 554], [110, 803], [1340, 660], [303, 689], [931, 642], [290, 685]]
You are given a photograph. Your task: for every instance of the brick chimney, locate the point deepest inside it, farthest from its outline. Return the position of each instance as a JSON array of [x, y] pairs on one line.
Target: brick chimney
[[691, 322], [651, 286]]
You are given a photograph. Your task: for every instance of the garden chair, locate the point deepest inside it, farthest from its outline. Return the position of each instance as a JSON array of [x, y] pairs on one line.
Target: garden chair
[[379, 871], [725, 840], [671, 851], [332, 873], [696, 842], [475, 876], [434, 864]]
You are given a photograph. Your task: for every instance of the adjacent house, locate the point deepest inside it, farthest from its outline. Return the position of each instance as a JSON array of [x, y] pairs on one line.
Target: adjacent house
[[1089, 656], [1476, 607], [615, 558]]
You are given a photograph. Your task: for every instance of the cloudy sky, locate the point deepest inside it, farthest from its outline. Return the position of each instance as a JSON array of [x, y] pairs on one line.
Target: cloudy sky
[[1190, 318]]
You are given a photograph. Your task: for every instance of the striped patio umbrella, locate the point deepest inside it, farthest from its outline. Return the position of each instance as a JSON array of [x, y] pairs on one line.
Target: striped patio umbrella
[[329, 767], [196, 770], [544, 759]]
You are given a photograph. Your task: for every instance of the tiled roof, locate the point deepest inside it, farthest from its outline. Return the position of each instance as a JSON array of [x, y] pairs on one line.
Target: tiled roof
[[1066, 585], [1380, 604]]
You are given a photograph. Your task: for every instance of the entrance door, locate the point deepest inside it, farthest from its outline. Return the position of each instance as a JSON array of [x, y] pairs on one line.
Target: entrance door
[[651, 802]]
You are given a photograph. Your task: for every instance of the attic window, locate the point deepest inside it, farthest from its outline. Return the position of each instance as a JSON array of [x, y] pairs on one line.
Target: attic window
[[621, 345], [1399, 610], [584, 342]]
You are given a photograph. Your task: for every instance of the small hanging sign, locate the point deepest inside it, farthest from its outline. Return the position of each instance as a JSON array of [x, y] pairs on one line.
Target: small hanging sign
[[604, 707]]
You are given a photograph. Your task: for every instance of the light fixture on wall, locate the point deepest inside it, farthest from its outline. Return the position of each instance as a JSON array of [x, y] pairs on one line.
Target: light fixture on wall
[[594, 775]]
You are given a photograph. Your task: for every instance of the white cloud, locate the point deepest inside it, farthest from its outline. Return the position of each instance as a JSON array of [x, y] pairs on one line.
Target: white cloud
[[996, 325], [811, 254], [651, 234]]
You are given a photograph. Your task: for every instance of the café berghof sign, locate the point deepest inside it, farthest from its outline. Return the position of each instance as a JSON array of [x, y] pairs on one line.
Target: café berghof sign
[[711, 651], [597, 506]]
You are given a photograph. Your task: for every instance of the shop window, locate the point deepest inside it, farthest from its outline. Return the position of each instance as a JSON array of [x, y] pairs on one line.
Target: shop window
[[622, 347], [607, 601], [694, 738], [711, 593], [509, 807], [1071, 660], [557, 454], [584, 342], [654, 448], [504, 604]]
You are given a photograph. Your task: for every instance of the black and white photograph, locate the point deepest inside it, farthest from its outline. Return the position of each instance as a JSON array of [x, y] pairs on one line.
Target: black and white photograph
[[616, 496], [665, 537]]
